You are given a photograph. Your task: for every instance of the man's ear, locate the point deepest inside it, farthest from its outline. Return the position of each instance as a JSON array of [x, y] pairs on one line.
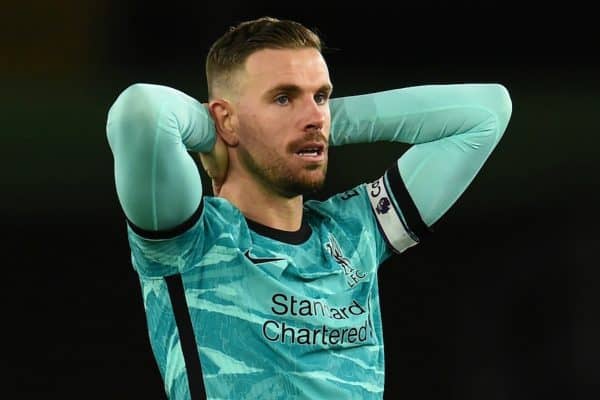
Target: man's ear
[[225, 119]]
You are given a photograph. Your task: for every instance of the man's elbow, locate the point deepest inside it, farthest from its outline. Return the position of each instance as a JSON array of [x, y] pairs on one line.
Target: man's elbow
[[502, 107], [134, 101], [133, 111]]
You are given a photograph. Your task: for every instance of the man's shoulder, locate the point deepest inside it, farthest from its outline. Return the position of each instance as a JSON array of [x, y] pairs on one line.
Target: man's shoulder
[[219, 205], [349, 203], [214, 214], [221, 212]]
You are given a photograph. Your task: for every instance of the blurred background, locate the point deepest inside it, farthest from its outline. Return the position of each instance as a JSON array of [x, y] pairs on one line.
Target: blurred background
[[502, 303]]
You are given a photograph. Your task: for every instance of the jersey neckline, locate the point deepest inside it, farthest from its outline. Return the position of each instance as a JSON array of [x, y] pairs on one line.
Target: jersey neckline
[[292, 237]]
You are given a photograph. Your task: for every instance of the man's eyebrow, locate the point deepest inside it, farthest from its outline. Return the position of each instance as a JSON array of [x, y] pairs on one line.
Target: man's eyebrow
[[295, 89], [327, 88], [284, 88]]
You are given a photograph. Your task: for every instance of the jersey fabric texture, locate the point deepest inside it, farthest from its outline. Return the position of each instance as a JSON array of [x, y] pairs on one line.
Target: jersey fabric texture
[[277, 315], [286, 315]]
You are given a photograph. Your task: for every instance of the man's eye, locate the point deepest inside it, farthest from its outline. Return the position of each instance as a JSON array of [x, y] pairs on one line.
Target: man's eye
[[282, 99], [321, 98]]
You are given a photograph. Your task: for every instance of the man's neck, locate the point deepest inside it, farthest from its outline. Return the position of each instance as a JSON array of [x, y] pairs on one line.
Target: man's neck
[[263, 205]]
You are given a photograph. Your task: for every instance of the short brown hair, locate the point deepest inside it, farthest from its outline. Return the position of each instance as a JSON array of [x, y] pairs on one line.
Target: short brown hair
[[231, 50]]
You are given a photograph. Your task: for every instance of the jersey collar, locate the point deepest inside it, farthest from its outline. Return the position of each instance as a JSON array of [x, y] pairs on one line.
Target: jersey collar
[[292, 237]]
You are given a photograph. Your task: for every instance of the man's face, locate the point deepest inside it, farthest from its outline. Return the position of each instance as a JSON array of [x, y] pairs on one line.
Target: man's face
[[284, 119]]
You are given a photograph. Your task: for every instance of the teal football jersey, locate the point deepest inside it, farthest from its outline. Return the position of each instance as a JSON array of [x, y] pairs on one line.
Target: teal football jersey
[[277, 314], [243, 311]]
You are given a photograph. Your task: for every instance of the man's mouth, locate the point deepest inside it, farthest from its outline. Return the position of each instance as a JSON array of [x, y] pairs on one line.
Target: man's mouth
[[311, 150]]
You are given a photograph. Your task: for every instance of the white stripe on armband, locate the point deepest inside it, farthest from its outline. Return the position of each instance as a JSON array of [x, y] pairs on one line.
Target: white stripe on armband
[[389, 220]]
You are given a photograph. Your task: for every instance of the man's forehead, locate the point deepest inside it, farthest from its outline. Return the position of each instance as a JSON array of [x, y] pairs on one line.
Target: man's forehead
[[276, 64]]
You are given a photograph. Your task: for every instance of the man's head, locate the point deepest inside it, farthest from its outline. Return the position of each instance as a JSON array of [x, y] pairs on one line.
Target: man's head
[[269, 88]]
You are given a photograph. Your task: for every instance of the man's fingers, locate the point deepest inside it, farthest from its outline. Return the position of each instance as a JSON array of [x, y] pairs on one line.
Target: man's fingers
[[216, 188], [216, 163]]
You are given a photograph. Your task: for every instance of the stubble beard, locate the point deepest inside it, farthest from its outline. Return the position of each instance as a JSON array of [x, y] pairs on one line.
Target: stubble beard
[[277, 176]]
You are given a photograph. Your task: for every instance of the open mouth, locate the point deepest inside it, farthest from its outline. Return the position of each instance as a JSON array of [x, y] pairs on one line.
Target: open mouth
[[311, 150]]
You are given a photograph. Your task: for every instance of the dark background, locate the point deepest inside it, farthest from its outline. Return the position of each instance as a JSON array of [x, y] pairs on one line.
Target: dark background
[[502, 303]]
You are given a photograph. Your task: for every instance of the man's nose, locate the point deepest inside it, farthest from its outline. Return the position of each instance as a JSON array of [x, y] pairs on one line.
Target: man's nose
[[315, 114]]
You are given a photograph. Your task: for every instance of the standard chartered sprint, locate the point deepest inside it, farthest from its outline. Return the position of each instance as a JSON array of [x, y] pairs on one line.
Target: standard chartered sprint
[[279, 331]]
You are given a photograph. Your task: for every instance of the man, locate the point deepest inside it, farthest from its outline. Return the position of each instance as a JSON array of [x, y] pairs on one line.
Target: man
[[256, 294]]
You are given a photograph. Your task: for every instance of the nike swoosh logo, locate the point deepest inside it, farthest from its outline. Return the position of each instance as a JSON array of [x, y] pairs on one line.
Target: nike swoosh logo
[[260, 260]]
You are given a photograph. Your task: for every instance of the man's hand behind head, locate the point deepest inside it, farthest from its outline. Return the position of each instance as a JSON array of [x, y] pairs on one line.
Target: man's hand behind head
[[216, 163]]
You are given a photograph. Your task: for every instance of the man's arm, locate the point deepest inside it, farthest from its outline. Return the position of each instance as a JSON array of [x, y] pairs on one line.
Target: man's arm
[[150, 130], [453, 129]]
